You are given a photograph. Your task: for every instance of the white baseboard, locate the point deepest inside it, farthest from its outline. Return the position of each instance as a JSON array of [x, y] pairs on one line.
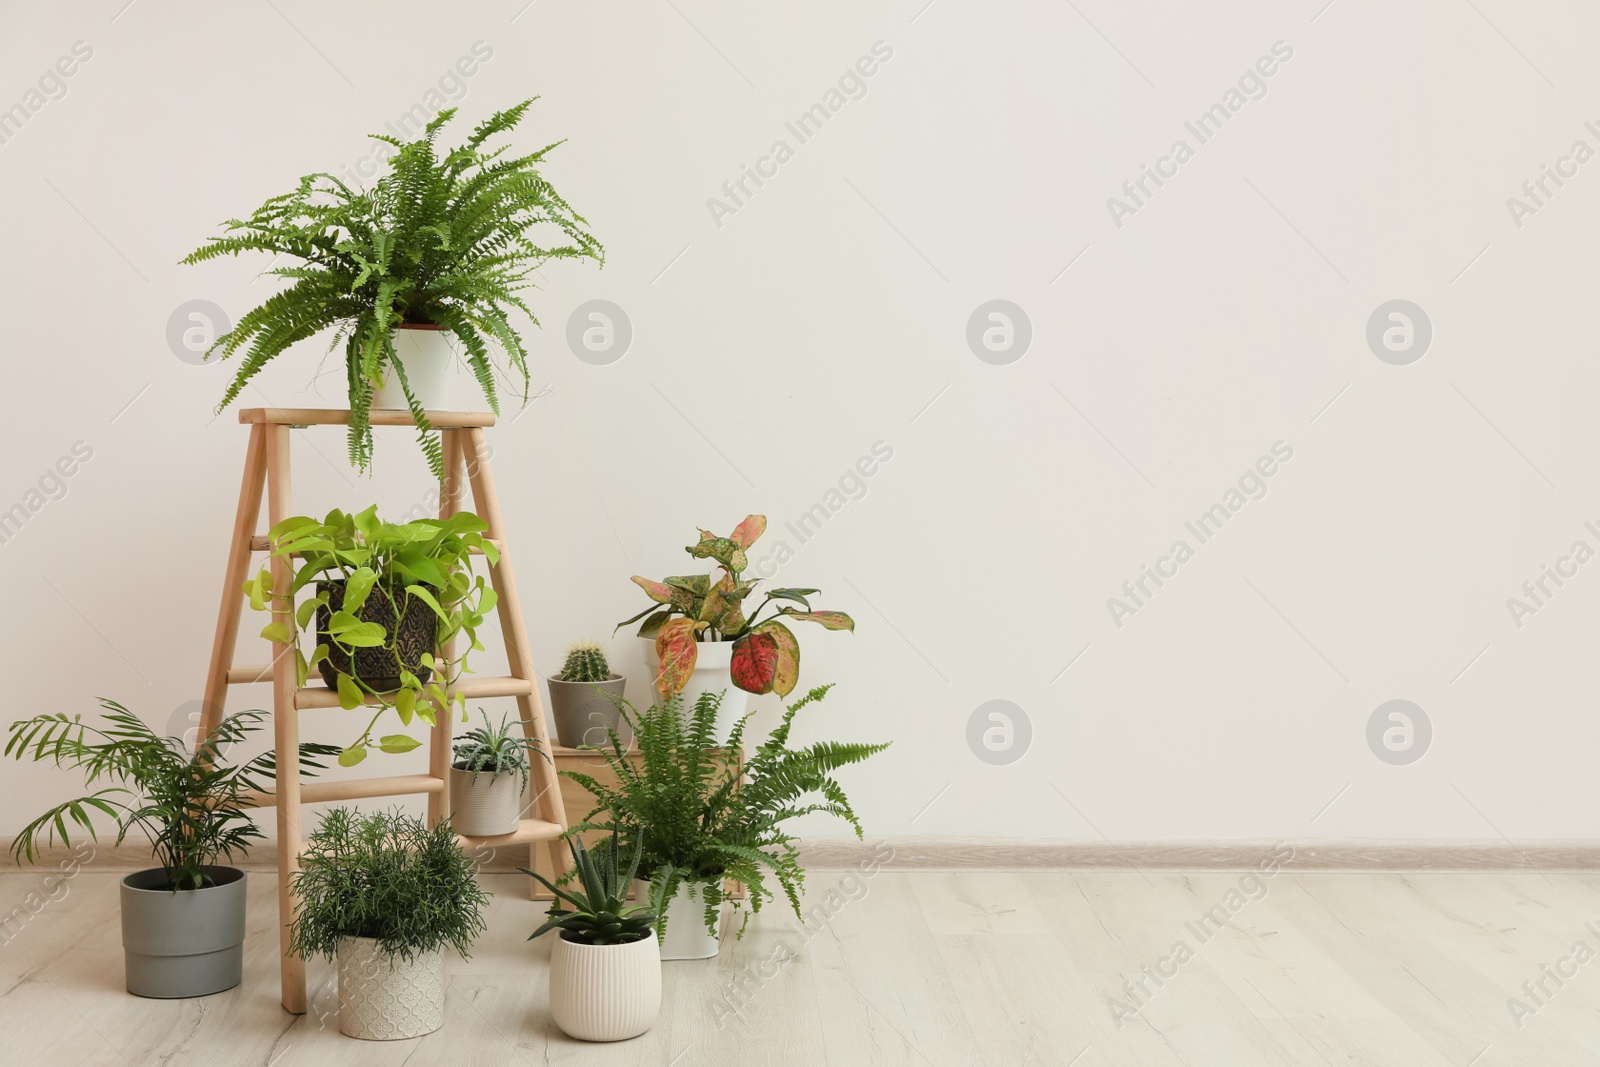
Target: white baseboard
[[952, 853]]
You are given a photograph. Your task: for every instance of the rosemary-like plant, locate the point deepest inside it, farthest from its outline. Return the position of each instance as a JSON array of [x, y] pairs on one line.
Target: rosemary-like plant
[[699, 818], [190, 805], [388, 876], [447, 242]]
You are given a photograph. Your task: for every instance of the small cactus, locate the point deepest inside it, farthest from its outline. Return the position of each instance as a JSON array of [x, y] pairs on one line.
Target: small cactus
[[586, 662]]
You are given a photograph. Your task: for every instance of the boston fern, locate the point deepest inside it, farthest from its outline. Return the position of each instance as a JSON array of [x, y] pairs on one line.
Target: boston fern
[[701, 819], [191, 805], [388, 876], [444, 242]]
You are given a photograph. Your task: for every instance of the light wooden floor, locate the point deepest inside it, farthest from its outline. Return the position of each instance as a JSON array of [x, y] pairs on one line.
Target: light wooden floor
[[922, 968]]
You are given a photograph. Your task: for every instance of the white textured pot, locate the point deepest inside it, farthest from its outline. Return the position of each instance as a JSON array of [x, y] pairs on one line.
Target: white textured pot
[[711, 674], [430, 365], [687, 937], [605, 992], [384, 998], [488, 807]]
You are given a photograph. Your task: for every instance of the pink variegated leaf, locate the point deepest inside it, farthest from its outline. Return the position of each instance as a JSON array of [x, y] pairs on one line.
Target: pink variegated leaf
[[754, 664], [744, 535], [786, 671], [830, 620], [675, 647]]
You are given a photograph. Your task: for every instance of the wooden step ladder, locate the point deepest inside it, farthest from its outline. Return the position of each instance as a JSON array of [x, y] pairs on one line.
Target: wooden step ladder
[[466, 462]]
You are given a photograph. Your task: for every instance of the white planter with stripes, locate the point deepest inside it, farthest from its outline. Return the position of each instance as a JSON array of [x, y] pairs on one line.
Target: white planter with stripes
[[605, 992]]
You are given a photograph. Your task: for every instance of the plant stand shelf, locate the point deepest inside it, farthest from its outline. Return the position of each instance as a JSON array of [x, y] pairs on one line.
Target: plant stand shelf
[[466, 465]]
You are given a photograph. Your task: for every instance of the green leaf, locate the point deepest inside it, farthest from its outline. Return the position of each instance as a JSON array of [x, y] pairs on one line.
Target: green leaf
[[427, 598], [358, 588], [277, 631], [398, 743], [352, 756], [302, 614], [405, 703], [350, 694]]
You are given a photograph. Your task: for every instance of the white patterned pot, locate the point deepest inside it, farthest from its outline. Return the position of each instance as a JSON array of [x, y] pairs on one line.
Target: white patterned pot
[[430, 366], [384, 998], [712, 674], [605, 992], [487, 807]]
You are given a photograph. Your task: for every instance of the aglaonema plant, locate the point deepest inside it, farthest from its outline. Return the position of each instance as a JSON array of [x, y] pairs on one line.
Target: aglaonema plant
[[688, 609], [421, 565]]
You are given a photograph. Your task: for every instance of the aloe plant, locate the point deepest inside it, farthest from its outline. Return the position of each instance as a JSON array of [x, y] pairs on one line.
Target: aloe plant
[[698, 607], [601, 914]]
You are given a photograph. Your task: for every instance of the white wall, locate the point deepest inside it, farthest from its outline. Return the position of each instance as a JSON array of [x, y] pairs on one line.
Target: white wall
[[829, 312]]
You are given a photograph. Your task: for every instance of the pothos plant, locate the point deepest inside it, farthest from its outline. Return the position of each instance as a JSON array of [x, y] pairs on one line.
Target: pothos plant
[[429, 560], [699, 607], [445, 240]]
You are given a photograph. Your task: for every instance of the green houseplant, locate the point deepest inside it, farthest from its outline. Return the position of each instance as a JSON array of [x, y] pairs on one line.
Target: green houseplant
[[699, 820], [488, 776], [183, 920], [383, 894], [387, 597], [584, 696], [691, 615], [605, 967], [442, 243]]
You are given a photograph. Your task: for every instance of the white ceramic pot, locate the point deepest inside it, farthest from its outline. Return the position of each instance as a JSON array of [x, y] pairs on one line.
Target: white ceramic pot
[[687, 937], [384, 998], [430, 365], [711, 674], [605, 992], [490, 806]]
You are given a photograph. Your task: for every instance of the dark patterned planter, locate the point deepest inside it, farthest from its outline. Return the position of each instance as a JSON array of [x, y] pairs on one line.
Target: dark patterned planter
[[379, 668]]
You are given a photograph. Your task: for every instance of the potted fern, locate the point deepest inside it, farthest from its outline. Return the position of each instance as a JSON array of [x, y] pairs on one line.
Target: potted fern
[[699, 639], [488, 777], [434, 255], [584, 697], [183, 920], [383, 894], [700, 819], [605, 965]]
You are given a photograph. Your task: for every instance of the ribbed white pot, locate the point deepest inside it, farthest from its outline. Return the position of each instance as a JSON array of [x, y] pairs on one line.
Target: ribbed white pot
[[430, 365], [487, 807], [711, 674], [687, 937], [605, 992], [384, 998]]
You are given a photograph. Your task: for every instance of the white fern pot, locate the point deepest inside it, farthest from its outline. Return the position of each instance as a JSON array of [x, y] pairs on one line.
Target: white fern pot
[[711, 674], [384, 998], [430, 365], [687, 937], [605, 992], [488, 807]]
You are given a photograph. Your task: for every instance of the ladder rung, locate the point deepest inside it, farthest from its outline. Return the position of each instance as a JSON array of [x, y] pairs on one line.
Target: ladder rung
[[356, 789], [527, 830], [318, 696], [255, 672], [259, 543]]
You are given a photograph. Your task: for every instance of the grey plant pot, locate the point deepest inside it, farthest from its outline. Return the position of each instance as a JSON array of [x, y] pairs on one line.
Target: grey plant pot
[[187, 943], [583, 711]]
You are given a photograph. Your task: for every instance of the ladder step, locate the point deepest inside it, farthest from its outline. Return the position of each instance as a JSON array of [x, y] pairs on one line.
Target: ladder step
[[259, 543], [255, 672], [527, 831], [441, 420], [398, 785], [318, 696]]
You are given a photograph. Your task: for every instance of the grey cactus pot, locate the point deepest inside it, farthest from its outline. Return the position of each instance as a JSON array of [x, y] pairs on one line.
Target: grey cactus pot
[[583, 711], [187, 943]]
